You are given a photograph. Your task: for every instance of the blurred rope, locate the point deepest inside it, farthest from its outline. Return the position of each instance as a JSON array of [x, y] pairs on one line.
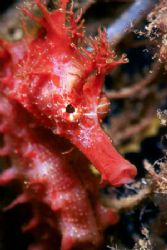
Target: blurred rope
[[126, 22]]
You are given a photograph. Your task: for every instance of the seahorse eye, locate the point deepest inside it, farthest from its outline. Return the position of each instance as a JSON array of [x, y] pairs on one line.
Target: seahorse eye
[[70, 109]]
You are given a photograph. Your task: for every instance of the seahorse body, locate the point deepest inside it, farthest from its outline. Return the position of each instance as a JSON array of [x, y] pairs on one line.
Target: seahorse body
[[51, 87]]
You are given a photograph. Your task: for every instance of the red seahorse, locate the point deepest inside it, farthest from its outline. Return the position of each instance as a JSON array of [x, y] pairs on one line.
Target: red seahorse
[[60, 83], [51, 89]]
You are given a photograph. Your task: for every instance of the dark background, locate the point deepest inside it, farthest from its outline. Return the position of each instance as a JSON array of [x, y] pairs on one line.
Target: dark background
[[5, 4]]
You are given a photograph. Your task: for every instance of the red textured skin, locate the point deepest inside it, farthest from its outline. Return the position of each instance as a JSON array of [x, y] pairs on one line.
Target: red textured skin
[[59, 83], [49, 73], [50, 179]]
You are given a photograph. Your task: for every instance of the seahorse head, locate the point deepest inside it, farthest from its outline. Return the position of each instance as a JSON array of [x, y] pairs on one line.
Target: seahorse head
[[58, 76]]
